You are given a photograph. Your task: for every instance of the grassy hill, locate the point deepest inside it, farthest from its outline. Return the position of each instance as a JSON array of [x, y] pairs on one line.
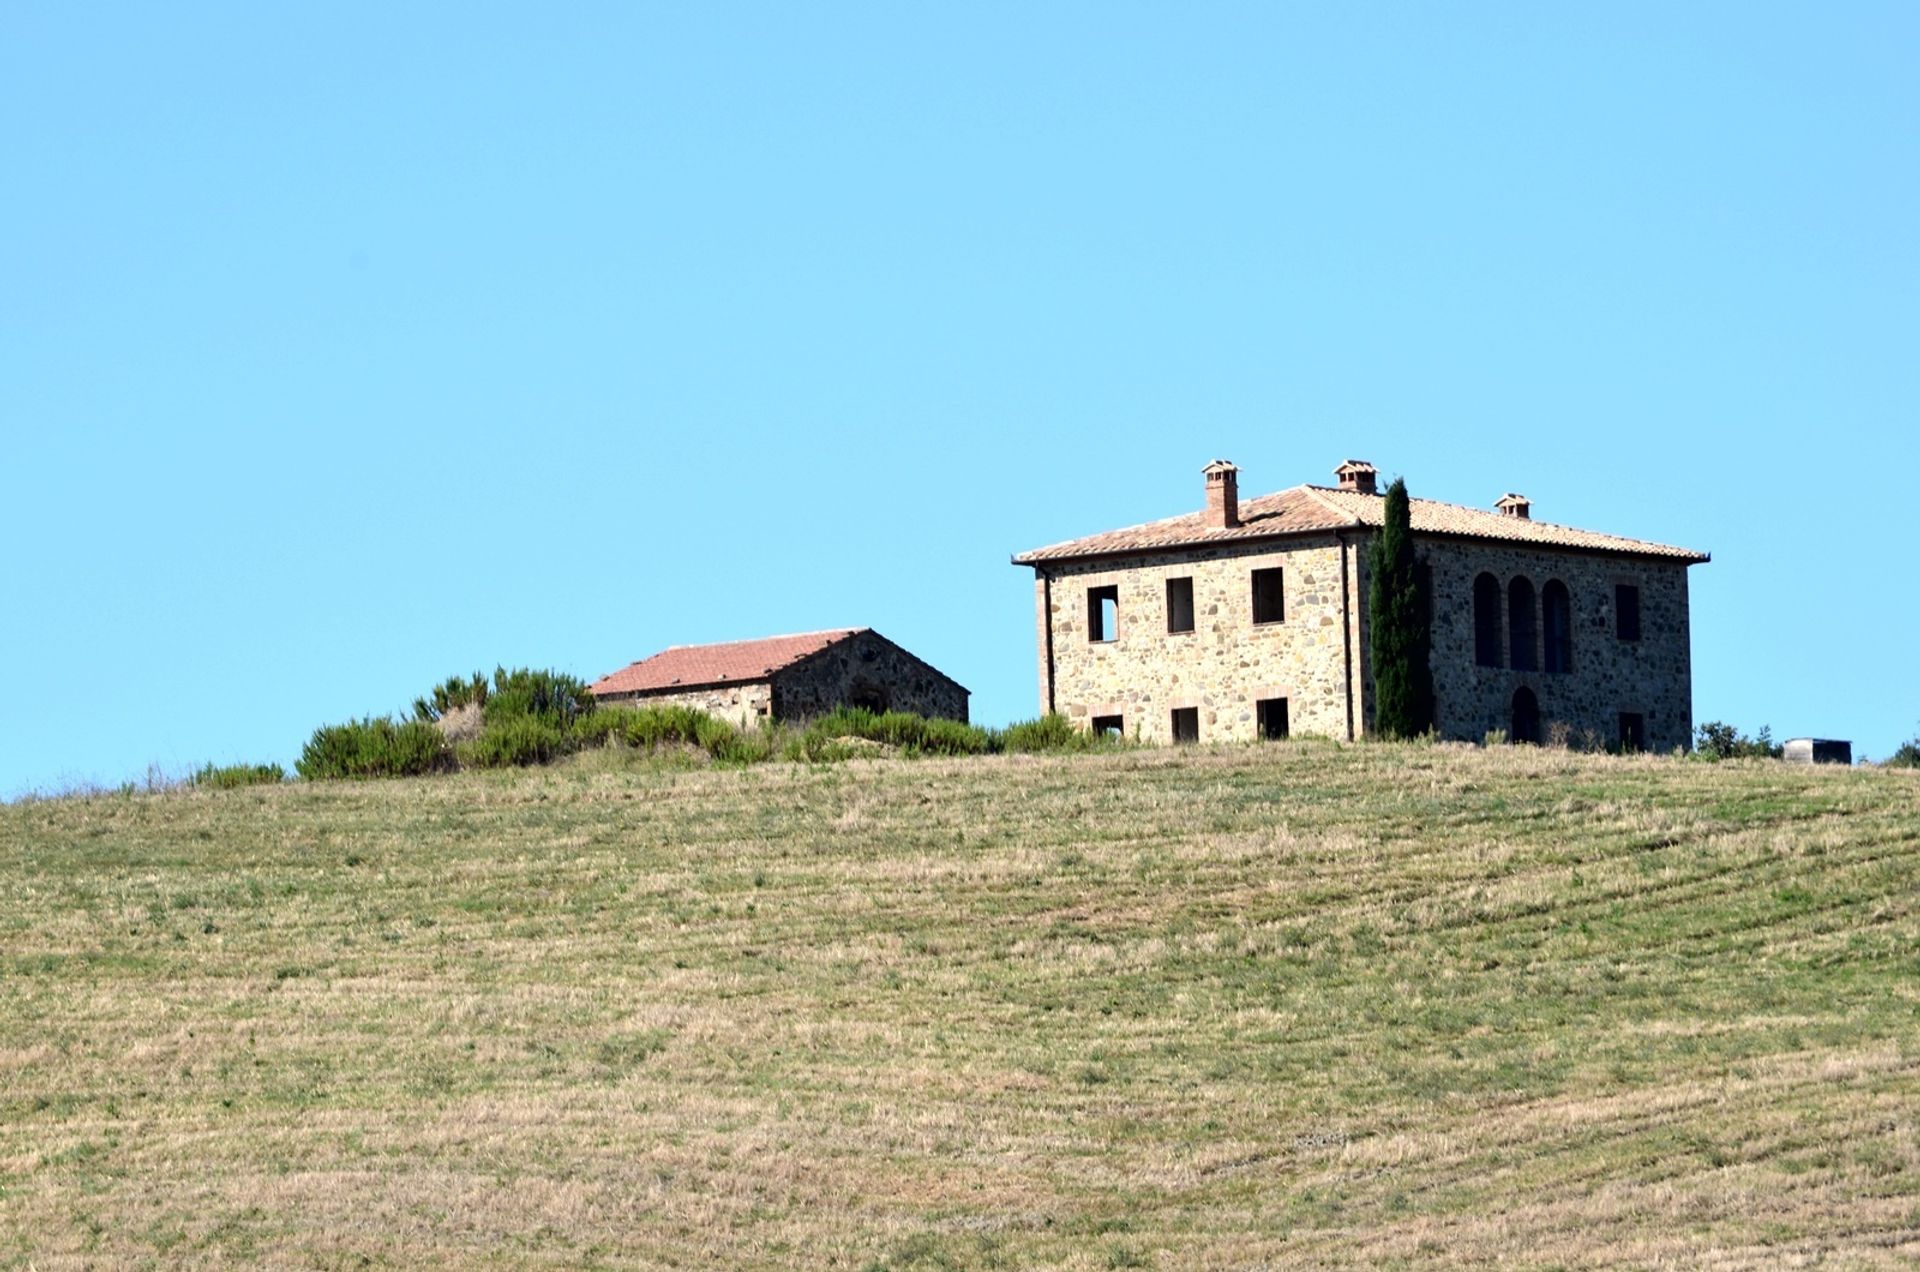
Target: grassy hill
[[1183, 1009]]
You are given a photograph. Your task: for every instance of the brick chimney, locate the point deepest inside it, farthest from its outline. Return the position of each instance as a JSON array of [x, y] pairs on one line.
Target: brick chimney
[[1513, 505], [1223, 495], [1357, 475]]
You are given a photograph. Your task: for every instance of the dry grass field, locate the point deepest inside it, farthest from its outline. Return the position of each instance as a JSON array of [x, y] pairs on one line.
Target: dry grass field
[[1263, 1007]]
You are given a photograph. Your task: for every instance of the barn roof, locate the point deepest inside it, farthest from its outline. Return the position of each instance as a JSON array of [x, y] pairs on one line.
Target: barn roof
[[1306, 509], [733, 662]]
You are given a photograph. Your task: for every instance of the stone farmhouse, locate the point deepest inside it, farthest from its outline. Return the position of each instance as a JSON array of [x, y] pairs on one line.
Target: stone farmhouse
[[787, 678], [1249, 619]]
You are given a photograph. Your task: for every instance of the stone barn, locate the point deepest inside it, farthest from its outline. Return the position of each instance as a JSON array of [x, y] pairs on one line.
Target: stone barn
[[1245, 620], [787, 678]]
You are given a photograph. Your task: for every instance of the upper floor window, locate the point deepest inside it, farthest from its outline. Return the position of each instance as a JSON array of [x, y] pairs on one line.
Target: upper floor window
[[1180, 605], [1556, 613], [1521, 625], [1626, 611], [1269, 601], [1486, 621], [1103, 612]]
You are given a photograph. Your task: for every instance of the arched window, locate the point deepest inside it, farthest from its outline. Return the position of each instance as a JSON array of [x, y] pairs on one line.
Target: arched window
[[1486, 621], [1556, 616], [1526, 717], [1521, 626]]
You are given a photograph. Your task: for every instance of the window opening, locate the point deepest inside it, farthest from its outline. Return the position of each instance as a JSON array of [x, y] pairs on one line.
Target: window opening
[[1186, 724], [1526, 717], [1180, 605], [1103, 613], [1486, 621], [1556, 611], [1626, 611], [1521, 626], [1269, 598], [1633, 731]]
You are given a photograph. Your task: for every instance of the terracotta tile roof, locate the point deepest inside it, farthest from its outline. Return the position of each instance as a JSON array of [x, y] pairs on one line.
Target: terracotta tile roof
[[735, 662], [1305, 509]]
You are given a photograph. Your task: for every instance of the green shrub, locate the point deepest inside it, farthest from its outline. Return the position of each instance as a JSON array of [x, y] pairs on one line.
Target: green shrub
[[912, 734], [1053, 732], [553, 696], [452, 694], [648, 728], [227, 777], [1908, 756], [1717, 740], [376, 746], [516, 741]]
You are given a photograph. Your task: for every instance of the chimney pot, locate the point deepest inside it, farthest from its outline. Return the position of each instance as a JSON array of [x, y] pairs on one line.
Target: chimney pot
[[1357, 475], [1513, 505], [1223, 495]]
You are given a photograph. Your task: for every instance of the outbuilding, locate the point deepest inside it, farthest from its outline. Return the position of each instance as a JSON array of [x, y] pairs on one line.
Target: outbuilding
[[787, 678]]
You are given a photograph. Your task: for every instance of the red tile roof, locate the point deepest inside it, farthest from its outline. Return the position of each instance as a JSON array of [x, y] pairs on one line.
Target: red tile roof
[[735, 662], [1305, 509]]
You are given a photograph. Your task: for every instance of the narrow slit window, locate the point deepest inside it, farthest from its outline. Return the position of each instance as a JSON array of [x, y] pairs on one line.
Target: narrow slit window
[[1103, 613], [1180, 605], [1270, 718], [1186, 724], [1556, 612], [1523, 627], [1112, 726], [1486, 621], [1626, 611], [1269, 598]]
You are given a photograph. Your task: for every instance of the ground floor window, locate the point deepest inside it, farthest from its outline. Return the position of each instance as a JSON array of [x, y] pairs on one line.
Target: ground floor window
[[1270, 717], [1526, 717], [1633, 731], [1186, 724], [1109, 726]]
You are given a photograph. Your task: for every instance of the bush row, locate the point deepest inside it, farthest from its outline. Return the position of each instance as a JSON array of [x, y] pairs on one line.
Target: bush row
[[527, 717]]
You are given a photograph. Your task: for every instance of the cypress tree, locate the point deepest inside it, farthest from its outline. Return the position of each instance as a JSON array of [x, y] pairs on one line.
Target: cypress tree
[[1400, 636]]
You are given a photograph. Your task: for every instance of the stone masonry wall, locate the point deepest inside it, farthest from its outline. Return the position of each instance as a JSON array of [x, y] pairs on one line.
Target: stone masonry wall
[[1226, 663], [743, 704], [1651, 676], [866, 669]]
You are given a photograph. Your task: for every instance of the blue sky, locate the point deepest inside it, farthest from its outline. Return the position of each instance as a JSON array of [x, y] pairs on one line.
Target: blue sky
[[349, 347]]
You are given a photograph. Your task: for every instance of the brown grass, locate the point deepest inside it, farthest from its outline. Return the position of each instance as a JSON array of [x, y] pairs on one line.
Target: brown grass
[[1295, 1005]]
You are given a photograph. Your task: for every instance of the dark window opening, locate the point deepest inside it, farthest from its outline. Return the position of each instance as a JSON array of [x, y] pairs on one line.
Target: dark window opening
[[1521, 627], [1633, 731], [1270, 717], [1109, 726], [1269, 599], [1526, 717], [1180, 605], [1486, 621], [1186, 724], [1103, 613], [1556, 612], [1626, 611], [868, 696]]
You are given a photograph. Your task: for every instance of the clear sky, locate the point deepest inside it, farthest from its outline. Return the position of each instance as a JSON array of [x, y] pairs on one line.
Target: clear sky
[[345, 347]]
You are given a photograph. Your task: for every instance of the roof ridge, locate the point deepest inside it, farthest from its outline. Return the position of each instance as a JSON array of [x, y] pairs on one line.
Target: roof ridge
[[761, 640], [1314, 493]]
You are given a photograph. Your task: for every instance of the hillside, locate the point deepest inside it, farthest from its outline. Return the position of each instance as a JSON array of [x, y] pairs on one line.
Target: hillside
[[1215, 1009]]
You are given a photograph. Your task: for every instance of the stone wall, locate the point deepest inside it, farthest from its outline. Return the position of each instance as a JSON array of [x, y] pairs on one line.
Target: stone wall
[[1651, 676], [868, 670], [743, 704], [1228, 662]]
